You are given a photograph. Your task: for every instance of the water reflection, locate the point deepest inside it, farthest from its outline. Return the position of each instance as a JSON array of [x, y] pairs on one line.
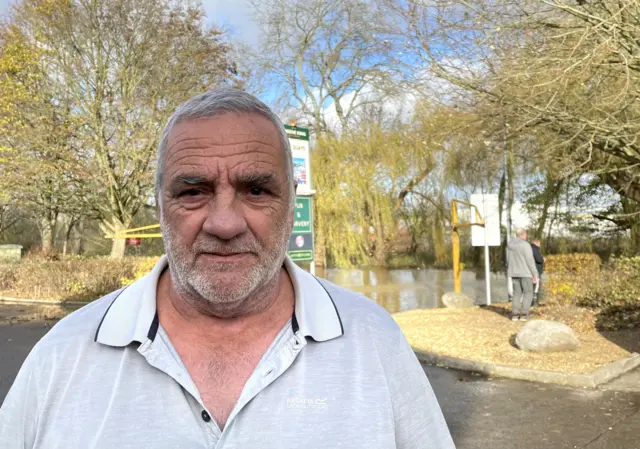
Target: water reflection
[[399, 290], [395, 290]]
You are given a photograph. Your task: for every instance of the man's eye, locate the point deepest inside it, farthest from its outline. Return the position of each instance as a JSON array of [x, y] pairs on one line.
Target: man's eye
[[256, 191], [191, 192]]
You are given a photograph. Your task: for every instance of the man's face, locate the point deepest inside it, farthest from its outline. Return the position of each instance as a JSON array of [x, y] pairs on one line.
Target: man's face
[[225, 207]]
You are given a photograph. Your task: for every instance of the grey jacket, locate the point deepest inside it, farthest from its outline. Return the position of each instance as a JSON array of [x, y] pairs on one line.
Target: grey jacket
[[520, 263]]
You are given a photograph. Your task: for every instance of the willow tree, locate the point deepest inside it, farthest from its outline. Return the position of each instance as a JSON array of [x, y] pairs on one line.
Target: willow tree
[[568, 69], [370, 183], [121, 66]]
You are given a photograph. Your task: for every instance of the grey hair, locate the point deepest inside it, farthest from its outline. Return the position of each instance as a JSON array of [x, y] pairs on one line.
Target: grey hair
[[216, 102], [520, 231]]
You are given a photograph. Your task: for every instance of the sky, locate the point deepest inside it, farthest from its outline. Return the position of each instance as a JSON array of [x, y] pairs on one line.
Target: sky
[[233, 16]]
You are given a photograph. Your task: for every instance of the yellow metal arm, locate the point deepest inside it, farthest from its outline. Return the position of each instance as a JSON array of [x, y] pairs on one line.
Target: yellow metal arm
[[457, 283], [126, 235]]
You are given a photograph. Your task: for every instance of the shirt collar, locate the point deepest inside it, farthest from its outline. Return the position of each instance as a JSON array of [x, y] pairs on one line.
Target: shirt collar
[[132, 314]]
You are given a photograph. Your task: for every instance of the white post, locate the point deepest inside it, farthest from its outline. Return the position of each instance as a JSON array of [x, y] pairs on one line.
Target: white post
[[312, 267], [487, 268], [487, 271]]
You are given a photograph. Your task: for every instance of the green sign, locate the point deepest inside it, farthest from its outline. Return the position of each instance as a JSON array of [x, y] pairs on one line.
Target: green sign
[[302, 216], [297, 133], [301, 239]]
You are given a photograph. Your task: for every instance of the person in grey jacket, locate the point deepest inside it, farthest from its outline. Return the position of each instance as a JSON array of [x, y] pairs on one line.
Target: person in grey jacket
[[521, 268]]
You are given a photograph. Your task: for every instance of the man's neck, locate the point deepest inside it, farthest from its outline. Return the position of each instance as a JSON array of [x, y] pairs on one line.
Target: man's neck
[[179, 318]]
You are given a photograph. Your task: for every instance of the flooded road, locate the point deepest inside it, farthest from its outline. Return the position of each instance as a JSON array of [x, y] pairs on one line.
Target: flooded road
[[395, 290], [406, 289]]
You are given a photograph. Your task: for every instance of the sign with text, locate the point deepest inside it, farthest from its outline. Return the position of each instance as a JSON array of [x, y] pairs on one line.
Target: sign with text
[[133, 241], [302, 216], [301, 240], [299, 141], [488, 205]]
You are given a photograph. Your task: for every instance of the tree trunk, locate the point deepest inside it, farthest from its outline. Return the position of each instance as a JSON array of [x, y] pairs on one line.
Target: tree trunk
[[551, 192], [117, 248], [439, 246], [47, 233], [439, 238], [79, 247], [65, 245], [113, 227], [510, 192], [380, 250]]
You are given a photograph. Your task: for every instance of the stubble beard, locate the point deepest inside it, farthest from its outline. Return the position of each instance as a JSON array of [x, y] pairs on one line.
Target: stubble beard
[[225, 289]]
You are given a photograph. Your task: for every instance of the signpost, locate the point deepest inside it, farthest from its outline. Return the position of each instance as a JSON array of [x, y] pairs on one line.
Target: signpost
[[133, 241], [301, 240], [301, 247], [299, 141], [489, 234]]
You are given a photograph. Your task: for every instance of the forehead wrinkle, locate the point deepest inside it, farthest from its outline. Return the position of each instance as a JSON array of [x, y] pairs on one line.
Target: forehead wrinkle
[[237, 169], [221, 150], [216, 137], [195, 158]]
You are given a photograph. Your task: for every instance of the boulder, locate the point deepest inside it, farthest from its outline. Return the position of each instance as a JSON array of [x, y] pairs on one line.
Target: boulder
[[547, 336], [454, 300]]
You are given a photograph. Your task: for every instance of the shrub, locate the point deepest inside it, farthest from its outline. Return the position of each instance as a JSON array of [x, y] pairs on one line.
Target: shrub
[[569, 274], [144, 265], [69, 279], [572, 263], [618, 285], [612, 290]]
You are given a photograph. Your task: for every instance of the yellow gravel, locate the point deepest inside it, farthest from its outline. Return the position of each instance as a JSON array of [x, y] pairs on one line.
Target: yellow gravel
[[485, 336]]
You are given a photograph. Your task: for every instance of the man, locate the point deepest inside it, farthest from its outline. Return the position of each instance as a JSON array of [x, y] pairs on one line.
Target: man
[[227, 343], [521, 268], [539, 260]]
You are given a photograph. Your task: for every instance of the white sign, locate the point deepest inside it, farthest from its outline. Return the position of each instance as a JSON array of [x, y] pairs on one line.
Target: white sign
[[299, 141], [488, 205]]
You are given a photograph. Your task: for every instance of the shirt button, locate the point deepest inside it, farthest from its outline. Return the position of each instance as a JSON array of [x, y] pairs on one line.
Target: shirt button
[[205, 416]]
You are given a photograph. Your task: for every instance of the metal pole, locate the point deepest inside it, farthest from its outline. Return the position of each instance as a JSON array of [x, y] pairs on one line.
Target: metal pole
[[487, 271], [507, 202], [457, 285], [507, 181]]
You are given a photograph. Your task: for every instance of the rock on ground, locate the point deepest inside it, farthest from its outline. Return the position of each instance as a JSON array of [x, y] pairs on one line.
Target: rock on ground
[[547, 336], [454, 300]]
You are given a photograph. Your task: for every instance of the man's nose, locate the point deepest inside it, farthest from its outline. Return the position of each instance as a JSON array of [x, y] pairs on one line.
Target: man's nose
[[225, 217]]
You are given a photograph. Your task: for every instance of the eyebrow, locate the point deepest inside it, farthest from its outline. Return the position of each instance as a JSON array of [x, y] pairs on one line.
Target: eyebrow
[[259, 179], [190, 180], [255, 179]]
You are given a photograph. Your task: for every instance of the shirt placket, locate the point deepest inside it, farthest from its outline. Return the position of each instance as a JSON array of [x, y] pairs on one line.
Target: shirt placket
[[267, 372], [160, 355]]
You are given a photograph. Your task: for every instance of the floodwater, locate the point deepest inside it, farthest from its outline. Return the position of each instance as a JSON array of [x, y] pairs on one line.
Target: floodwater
[[395, 290], [400, 290]]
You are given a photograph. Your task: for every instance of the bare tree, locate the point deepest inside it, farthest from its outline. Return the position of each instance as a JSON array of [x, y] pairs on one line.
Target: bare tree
[[122, 66], [565, 68], [326, 54]]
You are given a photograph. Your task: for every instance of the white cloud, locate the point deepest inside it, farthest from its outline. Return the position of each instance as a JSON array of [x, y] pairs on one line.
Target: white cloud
[[234, 17]]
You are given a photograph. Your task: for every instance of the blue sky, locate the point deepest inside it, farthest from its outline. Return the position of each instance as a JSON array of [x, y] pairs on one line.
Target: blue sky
[[233, 16]]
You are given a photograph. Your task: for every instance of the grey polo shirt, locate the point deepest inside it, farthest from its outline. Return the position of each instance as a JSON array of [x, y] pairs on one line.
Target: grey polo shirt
[[340, 374]]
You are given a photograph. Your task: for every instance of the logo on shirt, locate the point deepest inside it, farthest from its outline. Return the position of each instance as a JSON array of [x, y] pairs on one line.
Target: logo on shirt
[[307, 403]]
